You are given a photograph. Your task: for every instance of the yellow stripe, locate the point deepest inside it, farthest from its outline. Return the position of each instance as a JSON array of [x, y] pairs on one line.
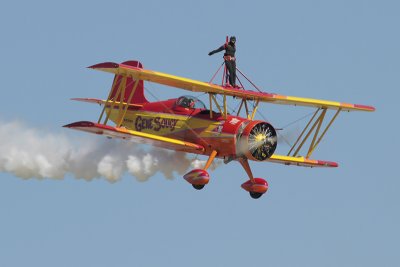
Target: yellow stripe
[[289, 159], [157, 137]]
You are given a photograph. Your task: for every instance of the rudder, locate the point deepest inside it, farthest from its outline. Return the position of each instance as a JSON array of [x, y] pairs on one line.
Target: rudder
[[138, 97]]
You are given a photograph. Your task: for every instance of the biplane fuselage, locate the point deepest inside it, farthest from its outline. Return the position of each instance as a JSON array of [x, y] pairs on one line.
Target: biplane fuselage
[[185, 124], [194, 125]]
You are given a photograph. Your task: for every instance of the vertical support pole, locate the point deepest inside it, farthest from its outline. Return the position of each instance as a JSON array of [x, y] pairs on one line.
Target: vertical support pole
[[122, 84], [122, 98], [225, 108], [108, 98], [247, 108], [224, 76], [240, 107], [255, 109], [121, 119], [211, 111]]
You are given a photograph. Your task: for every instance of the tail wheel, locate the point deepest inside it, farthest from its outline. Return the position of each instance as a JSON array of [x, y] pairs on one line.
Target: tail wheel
[[198, 186], [255, 195]]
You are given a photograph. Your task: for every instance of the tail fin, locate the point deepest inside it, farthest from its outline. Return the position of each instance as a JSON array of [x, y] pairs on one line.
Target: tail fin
[[138, 96]]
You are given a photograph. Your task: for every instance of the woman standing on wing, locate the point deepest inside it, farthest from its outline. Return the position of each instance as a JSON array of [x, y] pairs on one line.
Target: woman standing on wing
[[229, 57]]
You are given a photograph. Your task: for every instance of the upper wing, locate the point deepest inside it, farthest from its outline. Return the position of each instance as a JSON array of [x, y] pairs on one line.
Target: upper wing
[[198, 86], [136, 136]]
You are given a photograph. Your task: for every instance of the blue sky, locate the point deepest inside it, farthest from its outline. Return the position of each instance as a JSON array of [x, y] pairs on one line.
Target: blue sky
[[339, 50]]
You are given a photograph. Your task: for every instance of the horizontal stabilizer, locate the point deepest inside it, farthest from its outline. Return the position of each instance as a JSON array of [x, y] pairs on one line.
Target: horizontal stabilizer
[[102, 102], [138, 137], [301, 161]]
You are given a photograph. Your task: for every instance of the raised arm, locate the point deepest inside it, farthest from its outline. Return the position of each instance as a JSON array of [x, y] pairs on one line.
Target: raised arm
[[222, 47]]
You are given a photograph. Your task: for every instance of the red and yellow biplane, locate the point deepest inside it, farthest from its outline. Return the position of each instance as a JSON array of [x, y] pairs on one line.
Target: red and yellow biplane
[[186, 124]]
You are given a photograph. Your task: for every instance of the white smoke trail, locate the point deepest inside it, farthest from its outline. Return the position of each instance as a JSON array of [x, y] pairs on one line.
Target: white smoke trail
[[33, 153]]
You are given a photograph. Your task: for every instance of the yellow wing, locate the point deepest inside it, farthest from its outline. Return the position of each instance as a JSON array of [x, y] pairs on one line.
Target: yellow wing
[[301, 161], [139, 137], [102, 102], [198, 86]]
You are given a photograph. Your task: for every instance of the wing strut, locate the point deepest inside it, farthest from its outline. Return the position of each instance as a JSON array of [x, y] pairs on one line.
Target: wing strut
[[122, 115], [108, 98], [212, 98], [110, 104], [315, 129], [225, 84], [223, 109]]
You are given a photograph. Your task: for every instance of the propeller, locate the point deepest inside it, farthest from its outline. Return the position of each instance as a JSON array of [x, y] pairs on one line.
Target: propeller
[[262, 141]]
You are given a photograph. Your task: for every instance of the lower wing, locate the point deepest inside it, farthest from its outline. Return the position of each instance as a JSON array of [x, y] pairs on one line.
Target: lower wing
[[301, 161], [139, 137], [175, 144]]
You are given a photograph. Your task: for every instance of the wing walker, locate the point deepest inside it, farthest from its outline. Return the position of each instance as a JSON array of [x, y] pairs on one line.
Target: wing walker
[[186, 124]]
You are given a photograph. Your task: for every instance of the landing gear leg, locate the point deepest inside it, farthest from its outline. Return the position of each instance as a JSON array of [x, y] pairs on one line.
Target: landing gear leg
[[246, 167], [255, 186], [210, 159], [200, 177]]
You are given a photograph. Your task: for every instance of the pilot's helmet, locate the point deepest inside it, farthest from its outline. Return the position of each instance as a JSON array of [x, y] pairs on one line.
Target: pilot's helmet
[[191, 103]]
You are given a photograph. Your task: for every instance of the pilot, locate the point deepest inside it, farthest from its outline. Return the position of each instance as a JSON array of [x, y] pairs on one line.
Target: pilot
[[191, 103], [229, 57], [186, 102]]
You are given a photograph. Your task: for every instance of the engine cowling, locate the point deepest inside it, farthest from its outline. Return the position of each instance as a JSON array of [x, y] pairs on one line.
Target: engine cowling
[[258, 141]]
